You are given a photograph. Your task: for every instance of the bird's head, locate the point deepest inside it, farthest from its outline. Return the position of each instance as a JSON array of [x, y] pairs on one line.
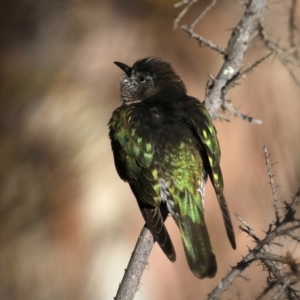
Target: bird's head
[[146, 78]]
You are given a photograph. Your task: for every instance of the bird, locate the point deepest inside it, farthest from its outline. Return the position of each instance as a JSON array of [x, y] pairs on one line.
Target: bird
[[165, 146]]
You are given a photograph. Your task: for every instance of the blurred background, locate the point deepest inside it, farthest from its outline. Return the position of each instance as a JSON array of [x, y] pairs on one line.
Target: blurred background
[[68, 224]]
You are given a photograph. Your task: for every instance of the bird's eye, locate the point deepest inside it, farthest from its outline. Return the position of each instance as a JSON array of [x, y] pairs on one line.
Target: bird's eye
[[141, 78]]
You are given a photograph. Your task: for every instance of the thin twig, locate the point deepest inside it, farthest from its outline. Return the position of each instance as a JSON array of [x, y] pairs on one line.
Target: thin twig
[[202, 14], [281, 53], [204, 42], [249, 228], [294, 237], [178, 4], [272, 257], [255, 64], [281, 230], [244, 72], [296, 199], [269, 260], [184, 11], [292, 25], [253, 254], [289, 69], [273, 187], [226, 105], [281, 289]]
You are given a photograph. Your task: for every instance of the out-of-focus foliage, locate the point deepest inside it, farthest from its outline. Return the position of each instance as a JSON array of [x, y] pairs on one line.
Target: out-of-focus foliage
[[67, 222]]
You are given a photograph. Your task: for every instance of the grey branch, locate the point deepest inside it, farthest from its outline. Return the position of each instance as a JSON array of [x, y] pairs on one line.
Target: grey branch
[[228, 106], [268, 259], [136, 266], [289, 55], [285, 226], [244, 72], [273, 187], [188, 3], [238, 44], [202, 41], [202, 14], [231, 71]]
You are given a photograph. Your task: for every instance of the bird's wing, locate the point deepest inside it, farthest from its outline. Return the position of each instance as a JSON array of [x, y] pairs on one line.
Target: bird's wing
[[202, 124], [134, 160]]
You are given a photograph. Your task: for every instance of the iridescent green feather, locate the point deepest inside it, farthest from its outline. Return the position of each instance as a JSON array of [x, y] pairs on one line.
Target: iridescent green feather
[[205, 129], [182, 170], [134, 161]]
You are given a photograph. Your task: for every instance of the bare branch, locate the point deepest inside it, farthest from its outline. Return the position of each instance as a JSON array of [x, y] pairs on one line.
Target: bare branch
[[294, 237], [292, 25], [273, 257], [188, 3], [273, 187], [239, 42], [289, 55], [204, 42], [281, 289], [228, 106], [136, 266], [256, 253], [202, 14], [292, 73], [269, 260], [296, 199], [248, 227], [232, 83]]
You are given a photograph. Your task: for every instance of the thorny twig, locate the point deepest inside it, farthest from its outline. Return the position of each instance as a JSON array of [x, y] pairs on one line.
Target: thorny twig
[[289, 55], [238, 44], [244, 72], [285, 278], [228, 106], [202, 14], [189, 4], [292, 26], [204, 42], [273, 187]]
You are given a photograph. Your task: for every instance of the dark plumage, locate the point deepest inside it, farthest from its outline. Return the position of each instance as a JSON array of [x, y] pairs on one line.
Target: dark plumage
[[165, 146]]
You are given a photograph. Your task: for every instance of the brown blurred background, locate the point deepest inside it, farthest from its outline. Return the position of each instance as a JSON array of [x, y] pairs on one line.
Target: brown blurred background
[[68, 224]]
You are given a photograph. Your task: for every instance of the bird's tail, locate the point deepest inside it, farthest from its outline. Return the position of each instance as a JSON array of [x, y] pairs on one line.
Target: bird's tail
[[155, 222], [227, 219], [196, 242]]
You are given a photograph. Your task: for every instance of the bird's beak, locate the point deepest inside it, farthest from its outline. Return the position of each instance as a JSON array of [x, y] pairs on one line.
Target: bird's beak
[[124, 67]]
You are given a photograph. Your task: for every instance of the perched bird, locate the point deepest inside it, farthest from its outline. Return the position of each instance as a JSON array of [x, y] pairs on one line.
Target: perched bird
[[165, 146]]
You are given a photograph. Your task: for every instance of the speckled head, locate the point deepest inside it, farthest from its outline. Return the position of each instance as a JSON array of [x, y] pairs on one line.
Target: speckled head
[[146, 78]]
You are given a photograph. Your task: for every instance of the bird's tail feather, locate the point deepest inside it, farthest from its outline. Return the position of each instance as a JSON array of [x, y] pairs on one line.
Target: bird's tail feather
[[227, 219], [197, 246], [155, 223]]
